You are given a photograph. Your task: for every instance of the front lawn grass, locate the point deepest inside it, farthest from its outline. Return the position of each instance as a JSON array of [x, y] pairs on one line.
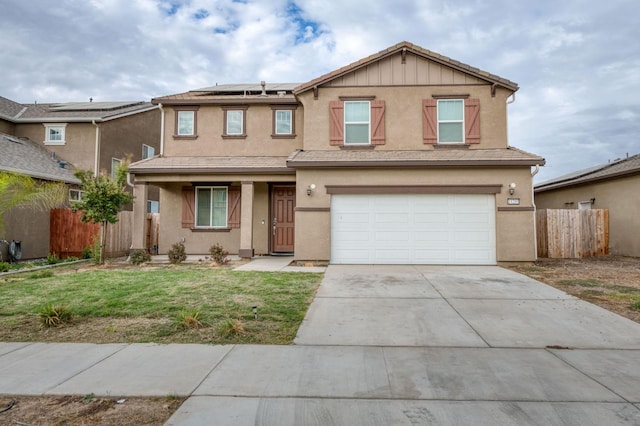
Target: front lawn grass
[[134, 304]]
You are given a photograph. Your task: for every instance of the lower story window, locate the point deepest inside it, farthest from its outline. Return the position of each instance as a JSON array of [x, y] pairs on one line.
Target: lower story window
[[153, 207], [211, 207]]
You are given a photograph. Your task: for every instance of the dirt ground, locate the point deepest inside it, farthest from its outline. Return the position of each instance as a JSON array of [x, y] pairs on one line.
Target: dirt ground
[[86, 410], [610, 282]]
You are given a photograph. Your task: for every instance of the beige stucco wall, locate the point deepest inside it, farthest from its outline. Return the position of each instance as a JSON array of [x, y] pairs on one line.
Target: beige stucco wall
[[7, 127], [32, 228], [620, 196], [514, 227], [209, 129], [403, 114]]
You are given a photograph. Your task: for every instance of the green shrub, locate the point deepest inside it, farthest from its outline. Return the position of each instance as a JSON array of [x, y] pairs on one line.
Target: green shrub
[[71, 259], [138, 257], [87, 252], [53, 258], [177, 254], [54, 315], [636, 306], [4, 266], [219, 254]]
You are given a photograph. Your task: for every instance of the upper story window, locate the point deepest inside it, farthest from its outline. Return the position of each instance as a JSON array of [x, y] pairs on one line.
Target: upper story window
[[450, 121], [211, 207], [235, 122], [148, 151], [356, 122], [186, 122], [54, 134], [283, 121], [115, 163]]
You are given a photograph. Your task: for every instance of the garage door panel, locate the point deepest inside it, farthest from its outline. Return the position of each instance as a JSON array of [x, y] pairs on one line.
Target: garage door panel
[[414, 228]]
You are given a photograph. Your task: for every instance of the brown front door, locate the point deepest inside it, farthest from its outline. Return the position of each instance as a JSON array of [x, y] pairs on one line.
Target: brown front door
[[283, 203]]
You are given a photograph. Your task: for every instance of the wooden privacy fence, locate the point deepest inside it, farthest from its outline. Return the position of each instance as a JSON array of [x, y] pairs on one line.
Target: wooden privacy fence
[[69, 236], [572, 233]]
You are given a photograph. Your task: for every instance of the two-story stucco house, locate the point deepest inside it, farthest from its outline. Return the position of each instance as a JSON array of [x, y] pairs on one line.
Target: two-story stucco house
[[401, 157]]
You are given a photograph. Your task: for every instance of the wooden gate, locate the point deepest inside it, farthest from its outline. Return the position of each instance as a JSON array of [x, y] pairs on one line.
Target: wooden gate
[[572, 233]]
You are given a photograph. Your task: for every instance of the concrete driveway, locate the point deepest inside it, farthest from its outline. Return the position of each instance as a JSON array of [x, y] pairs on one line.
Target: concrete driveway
[[406, 345]]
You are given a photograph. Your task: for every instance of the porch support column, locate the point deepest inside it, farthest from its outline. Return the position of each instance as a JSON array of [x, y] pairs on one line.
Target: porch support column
[[246, 221], [140, 191]]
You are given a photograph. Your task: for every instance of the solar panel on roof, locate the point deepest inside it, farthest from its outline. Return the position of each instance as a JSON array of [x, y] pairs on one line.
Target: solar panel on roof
[[92, 106]]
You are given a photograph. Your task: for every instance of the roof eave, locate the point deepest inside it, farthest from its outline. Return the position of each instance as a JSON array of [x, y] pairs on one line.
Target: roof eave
[[568, 184], [231, 101], [297, 164], [211, 170]]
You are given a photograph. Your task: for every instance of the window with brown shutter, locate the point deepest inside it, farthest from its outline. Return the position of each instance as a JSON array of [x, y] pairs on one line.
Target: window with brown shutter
[[337, 120], [430, 121], [189, 202]]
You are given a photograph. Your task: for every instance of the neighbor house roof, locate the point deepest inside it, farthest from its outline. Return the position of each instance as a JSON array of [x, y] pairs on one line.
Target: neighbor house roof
[[417, 50], [615, 169], [427, 158], [211, 165], [21, 155], [271, 93], [70, 111]]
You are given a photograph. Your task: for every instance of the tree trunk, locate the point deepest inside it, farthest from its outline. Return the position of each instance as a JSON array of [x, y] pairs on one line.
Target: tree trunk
[[103, 236]]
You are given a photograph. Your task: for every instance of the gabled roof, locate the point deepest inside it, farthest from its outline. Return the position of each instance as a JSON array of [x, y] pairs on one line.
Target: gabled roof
[[616, 169], [20, 155], [405, 46], [426, 158], [70, 111]]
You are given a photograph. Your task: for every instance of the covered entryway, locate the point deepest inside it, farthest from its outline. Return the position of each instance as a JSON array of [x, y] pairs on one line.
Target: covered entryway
[[283, 204], [413, 229]]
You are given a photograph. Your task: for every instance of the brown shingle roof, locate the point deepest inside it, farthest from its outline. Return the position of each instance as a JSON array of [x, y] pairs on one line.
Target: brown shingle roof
[[211, 165], [621, 168], [426, 158], [433, 56]]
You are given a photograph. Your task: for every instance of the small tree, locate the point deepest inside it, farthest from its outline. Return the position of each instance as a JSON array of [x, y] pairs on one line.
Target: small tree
[[103, 199], [22, 191]]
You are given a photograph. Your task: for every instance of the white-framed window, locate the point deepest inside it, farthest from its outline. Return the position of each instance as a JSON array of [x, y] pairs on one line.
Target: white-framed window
[[211, 206], [185, 123], [75, 195], [357, 122], [148, 151], [284, 122], [450, 121], [235, 122], [55, 134], [153, 206], [115, 163]]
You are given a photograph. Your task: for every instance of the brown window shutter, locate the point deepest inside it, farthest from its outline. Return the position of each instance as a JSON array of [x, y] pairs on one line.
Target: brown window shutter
[[233, 219], [430, 121], [188, 206], [472, 120], [336, 123], [377, 122]]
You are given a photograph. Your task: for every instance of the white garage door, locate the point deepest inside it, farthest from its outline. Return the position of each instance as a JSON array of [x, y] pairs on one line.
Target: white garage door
[[413, 229]]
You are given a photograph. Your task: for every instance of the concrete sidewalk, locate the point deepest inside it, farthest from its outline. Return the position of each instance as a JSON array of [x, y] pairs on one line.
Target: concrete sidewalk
[[380, 345]]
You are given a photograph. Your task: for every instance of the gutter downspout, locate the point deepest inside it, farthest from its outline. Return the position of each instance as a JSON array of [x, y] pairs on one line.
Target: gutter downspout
[[161, 130], [535, 209], [96, 164]]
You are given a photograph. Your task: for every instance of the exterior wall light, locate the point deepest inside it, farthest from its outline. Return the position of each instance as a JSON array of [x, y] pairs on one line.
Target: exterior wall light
[[512, 188], [310, 188]]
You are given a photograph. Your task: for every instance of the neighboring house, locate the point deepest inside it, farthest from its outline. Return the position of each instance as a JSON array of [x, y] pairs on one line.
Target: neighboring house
[[21, 155], [401, 157], [614, 186], [94, 136]]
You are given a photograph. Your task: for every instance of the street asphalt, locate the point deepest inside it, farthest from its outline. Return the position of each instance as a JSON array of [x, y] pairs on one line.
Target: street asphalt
[[380, 345]]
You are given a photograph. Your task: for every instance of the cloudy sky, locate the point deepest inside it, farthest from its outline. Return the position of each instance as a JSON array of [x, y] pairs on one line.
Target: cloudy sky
[[577, 62]]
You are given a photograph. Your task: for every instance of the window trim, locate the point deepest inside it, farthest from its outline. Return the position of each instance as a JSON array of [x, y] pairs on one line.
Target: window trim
[[63, 133], [462, 121], [275, 109], [144, 145], [78, 199], [243, 109], [195, 213], [177, 110], [347, 143], [113, 169]]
